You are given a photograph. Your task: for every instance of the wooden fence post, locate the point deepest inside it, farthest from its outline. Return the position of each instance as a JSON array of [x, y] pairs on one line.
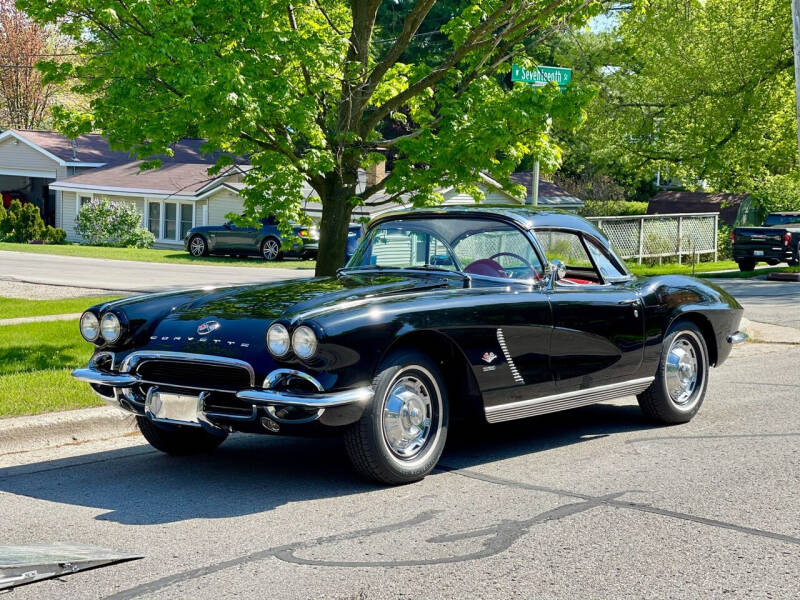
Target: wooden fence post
[[680, 235]]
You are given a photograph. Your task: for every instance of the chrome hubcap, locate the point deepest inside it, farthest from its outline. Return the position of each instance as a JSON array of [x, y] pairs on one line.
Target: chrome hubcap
[[682, 371], [198, 246], [270, 249], [407, 414]]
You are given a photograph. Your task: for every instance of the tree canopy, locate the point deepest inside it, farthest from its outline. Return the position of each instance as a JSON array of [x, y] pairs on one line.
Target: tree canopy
[[305, 90], [703, 89]]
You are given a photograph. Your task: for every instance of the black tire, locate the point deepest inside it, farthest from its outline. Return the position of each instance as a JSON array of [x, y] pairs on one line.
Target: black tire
[[657, 403], [180, 441], [366, 441], [746, 264], [198, 246], [271, 249], [772, 262]]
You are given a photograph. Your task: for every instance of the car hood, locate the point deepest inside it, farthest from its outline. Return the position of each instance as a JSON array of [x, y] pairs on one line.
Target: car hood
[[170, 321]]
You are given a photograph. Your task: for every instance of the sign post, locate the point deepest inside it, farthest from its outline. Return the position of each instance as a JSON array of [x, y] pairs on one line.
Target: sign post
[[541, 75]]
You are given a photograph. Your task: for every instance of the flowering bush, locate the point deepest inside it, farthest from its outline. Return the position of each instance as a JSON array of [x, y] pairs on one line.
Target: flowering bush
[[105, 222]]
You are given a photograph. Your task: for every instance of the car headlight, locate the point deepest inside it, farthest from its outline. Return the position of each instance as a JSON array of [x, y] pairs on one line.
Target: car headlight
[[90, 326], [278, 339], [110, 327], [304, 342]]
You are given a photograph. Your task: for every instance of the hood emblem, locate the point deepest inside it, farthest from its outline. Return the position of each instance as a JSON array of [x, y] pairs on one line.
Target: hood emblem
[[489, 356], [208, 327]]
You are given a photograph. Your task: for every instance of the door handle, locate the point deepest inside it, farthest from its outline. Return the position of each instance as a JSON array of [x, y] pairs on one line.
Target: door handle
[[632, 302]]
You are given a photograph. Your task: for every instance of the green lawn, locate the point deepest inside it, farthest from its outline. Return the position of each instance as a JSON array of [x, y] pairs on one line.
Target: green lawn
[[676, 269], [706, 269], [35, 364], [154, 255], [11, 308]]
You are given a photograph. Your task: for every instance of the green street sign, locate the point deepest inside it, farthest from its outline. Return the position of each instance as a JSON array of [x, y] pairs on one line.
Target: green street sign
[[540, 76]]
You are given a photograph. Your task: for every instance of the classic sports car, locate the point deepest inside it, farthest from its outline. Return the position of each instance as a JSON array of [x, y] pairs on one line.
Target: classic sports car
[[265, 241], [495, 313]]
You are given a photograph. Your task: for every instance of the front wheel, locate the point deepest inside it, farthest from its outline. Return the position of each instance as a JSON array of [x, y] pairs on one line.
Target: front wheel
[[198, 246], [402, 433], [180, 441], [680, 384]]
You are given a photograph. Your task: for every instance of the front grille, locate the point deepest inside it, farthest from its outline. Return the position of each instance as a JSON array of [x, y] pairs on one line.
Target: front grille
[[194, 375]]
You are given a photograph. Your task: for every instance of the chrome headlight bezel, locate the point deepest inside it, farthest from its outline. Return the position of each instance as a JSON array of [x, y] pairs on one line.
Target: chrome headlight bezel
[[110, 327], [278, 332], [304, 342], [89, 319]]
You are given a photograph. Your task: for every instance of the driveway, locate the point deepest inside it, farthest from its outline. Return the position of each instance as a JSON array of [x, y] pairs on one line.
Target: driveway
[[130, 276]]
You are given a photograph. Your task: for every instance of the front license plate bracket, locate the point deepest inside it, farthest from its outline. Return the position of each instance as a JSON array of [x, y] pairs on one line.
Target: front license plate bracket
[[174, 408]]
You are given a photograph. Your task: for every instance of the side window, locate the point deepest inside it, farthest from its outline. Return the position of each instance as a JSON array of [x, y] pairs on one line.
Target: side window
[[566, 247], [402, 248], [502, 251], [605, 265]]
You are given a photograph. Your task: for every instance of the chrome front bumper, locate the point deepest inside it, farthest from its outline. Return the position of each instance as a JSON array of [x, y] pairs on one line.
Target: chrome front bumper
[[266, 397], [737, 338]]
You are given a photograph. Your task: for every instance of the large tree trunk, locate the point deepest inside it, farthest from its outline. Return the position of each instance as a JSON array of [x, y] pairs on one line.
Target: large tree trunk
[[336, 211]]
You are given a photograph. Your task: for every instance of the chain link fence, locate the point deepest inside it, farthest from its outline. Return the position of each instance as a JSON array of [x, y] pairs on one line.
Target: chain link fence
[[662, 236]]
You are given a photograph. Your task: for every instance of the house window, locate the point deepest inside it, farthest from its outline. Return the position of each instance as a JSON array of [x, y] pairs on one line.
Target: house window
[[170, 220], [186, 219], [154, 218], [81, 201]]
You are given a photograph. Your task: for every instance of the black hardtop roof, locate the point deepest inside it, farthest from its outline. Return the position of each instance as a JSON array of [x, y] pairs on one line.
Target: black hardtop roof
[[527, 217]]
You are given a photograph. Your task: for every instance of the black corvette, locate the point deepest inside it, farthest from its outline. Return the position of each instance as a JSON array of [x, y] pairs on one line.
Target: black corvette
[[484, 312]]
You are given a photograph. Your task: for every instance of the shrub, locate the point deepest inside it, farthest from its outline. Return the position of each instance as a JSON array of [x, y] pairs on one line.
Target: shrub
[[3, 222], [55, 235], [23, 222], [104, 222], [724, 249], [614, 208]]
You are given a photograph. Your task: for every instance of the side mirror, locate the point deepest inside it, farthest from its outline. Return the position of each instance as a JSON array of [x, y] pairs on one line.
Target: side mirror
[[557, 270], [227, 225]]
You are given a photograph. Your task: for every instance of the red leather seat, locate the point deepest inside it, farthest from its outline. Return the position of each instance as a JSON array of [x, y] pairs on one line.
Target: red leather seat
[[487, 267]]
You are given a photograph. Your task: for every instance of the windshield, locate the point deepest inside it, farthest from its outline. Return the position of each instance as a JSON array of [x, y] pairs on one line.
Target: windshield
[[781, 220], [475, 246]]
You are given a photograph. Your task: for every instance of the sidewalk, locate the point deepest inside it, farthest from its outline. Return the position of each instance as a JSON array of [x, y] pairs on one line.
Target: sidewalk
[[40, 318]]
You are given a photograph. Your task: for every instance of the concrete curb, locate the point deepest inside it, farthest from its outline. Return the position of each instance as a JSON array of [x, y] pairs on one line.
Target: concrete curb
[[21, 434], [764, 332]]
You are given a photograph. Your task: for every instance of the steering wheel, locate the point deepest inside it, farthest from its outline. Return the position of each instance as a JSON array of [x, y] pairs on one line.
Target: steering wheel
[[527, 263]]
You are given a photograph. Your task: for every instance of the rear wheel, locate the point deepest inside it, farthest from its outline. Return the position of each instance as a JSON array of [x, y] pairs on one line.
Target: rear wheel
[[179, 441], [271, 249], [402, 433], [198, 246], [680, 384], [746, 264]]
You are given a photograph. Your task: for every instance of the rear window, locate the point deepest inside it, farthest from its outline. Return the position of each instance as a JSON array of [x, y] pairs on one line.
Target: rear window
[[781, 220]]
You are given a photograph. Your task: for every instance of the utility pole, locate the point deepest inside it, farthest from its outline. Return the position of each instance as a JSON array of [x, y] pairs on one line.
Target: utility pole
[[796, 28]]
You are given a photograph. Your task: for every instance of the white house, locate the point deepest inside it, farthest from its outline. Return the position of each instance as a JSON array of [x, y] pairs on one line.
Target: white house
[[60, 175]]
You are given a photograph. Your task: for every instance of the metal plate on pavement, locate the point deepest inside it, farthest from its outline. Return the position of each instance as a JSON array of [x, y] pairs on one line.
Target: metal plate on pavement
[[21, 565]]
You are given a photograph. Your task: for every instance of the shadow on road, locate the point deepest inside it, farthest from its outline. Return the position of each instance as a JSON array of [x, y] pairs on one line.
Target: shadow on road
[[253, 474]]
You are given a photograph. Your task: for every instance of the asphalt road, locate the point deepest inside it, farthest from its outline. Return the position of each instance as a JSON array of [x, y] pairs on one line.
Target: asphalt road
[[595, 502], [774, 302], [129, 276]]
